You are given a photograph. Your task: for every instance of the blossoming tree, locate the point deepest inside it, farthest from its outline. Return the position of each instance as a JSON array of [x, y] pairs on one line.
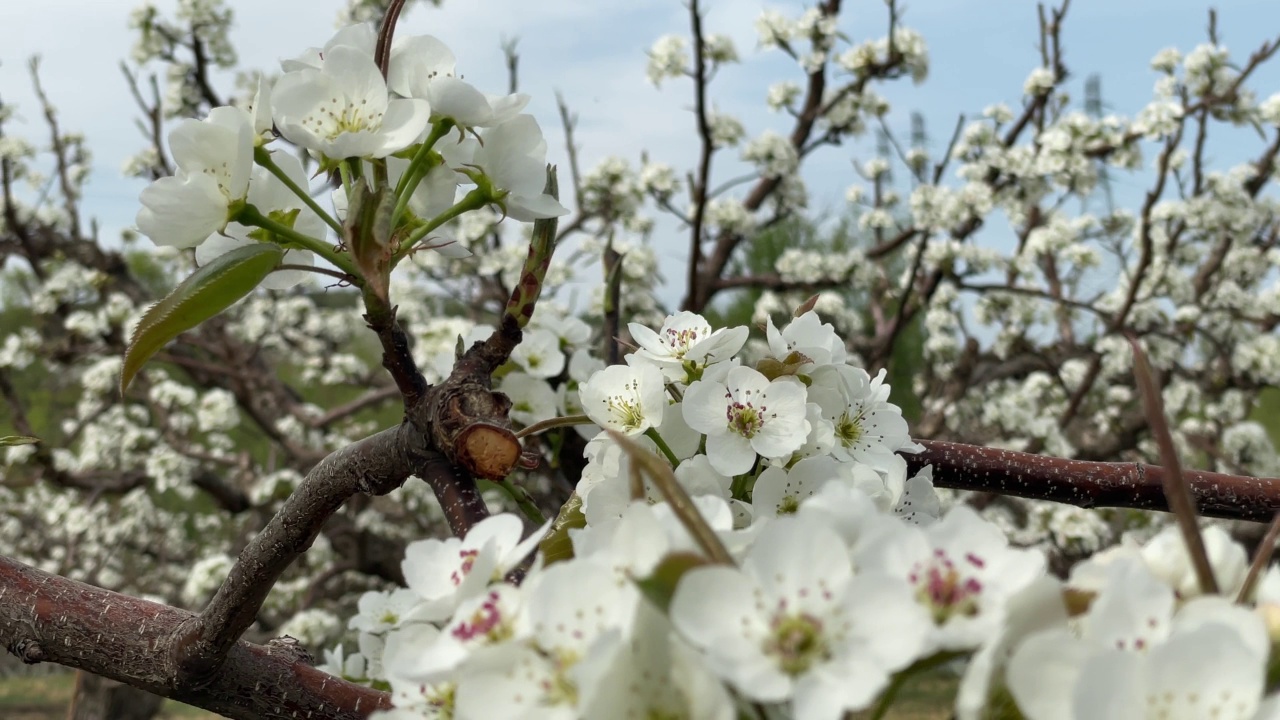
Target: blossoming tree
[[612, 510]]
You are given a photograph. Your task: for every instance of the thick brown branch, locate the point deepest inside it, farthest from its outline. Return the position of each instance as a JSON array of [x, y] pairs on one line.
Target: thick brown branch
[[469, 423], [375, 465], [46, 618]]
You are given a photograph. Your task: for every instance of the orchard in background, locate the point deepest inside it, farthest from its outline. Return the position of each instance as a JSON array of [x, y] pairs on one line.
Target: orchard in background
[[235, 449]]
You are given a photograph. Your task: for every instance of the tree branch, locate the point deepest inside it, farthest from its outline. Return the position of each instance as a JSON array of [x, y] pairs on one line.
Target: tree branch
[[46, 618], [1090, 484], [375, 465]]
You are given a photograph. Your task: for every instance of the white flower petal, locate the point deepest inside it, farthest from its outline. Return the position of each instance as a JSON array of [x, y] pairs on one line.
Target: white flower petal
[[182, 211]]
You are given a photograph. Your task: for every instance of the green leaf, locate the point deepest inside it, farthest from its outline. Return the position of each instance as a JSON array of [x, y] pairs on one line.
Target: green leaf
[[8, 440], [660, 585], [210, 290], [556, 545], [773, 368], [286, 218]]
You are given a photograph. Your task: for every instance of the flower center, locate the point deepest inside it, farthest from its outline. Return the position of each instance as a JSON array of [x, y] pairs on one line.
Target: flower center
[[442, 697], [789, 504], [560, 689], [679, 341], [486, 621], [468, 561], [627, 411], [797, 643], [849, 429], [352, 119], [743, 416], [945, 590]]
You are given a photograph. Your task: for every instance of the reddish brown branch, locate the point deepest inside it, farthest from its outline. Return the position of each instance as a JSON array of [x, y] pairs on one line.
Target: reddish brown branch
[[46, 618], [382, 51], [701, 179], [1090, 484]]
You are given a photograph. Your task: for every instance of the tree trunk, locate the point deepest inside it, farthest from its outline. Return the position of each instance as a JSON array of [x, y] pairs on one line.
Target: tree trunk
[[98, 698]]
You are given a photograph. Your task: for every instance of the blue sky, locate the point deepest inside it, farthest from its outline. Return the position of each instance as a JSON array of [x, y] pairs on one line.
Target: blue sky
[[594, 52]]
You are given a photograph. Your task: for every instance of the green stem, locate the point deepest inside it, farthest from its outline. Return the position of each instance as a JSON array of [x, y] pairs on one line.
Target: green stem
[[380, 177], [250, 215], [355, 168], [522, 500], [533, 275], [345, 171], [263, 158], [652, 434], [899, 679], [745, 483], [402, 201], [418, 168], [474, 200]]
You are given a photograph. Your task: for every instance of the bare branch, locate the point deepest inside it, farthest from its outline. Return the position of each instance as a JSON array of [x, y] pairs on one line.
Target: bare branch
[[370, 399], [46, 618], [376, 465], [1090, 484], [70, 193]]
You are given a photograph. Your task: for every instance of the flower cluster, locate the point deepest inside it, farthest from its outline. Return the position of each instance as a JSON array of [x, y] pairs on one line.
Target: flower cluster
[[792, 456], [813, 575], [230, 190]]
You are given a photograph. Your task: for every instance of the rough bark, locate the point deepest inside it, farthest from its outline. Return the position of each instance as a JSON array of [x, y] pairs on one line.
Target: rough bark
[[47, 618]]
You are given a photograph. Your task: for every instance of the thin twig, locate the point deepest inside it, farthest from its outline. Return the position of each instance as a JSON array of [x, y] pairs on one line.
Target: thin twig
[[1261, 559], [1181, 502], [552, 423], [677, 499], [369, 399]]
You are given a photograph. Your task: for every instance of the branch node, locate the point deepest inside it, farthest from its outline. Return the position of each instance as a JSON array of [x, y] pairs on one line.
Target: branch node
[[291, 648], [28, 651]]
